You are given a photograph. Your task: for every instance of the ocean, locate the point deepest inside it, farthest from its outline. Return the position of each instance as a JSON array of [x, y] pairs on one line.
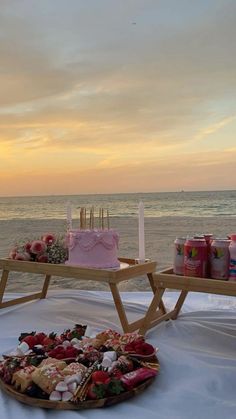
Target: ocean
[[184, 204]]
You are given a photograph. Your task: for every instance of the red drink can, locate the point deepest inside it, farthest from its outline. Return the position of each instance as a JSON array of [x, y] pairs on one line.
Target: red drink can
[[195, 258], [208, 238]]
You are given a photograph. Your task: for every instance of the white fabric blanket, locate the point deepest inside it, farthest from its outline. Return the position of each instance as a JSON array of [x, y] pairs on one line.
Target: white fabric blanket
[[197, 378]]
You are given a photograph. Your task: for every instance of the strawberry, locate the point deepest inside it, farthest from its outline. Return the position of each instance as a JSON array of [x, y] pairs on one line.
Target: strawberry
[[96, 391], [40, 337], [60, 356], [70, 353], [30, 340], [48, 342], [115, 387], [144, 349], [24, 334], [130, 348], [116, 373], [59, 350], [100, 377]]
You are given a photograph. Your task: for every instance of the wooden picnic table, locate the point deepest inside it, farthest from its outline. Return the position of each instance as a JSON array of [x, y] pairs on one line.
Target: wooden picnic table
[[110, 276], [166, 279]]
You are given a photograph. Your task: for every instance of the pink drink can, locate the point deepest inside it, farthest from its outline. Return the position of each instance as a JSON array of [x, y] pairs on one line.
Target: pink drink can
[[178, 267], [195, 258], [208, 238], [220, 259]]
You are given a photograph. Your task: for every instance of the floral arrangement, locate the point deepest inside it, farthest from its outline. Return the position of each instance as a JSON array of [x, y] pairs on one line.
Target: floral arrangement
[[48, 249]]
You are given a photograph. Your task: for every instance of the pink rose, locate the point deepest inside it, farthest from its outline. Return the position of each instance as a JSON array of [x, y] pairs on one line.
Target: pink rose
[[48, 238], [38, 247], [42, 258], [27, 247], [13, 253], [22, 256]]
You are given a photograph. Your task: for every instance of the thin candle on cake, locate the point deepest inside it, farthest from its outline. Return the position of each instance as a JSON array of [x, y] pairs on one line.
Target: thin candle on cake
[[141, 232]]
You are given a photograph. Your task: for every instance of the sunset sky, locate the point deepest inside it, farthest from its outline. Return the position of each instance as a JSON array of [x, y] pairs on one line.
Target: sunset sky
[[101, 96]]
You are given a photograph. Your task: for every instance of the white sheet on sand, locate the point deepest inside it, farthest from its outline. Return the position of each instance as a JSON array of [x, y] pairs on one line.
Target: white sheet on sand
[[197, 378]]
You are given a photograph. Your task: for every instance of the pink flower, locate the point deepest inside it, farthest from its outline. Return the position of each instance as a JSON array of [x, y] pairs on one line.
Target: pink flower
[[38, 247], [27, 247], [22, 256], [13, 253], [42, 258], [48, 238]]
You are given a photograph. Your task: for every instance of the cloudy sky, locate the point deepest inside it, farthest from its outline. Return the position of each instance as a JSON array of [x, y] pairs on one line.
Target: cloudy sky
[[103, 96]]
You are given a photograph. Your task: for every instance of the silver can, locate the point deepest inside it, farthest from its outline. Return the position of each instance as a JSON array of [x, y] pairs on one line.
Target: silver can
[[178, 266], [220, 259]]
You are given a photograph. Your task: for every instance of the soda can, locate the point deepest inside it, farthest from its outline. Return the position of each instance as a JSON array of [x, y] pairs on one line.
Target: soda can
[[208, 238], [232, 261], [220, 259], [195, 257], [178, 266]]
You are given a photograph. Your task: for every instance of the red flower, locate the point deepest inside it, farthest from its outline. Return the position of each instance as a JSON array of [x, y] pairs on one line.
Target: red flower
[[38, 247], [48, 238], [42, 258]]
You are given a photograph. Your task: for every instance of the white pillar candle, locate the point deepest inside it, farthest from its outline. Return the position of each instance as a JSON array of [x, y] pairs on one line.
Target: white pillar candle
[[141, 232], [68, 216]]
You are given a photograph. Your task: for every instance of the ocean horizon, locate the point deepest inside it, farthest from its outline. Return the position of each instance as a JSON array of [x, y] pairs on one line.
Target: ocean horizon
[[156, 204]]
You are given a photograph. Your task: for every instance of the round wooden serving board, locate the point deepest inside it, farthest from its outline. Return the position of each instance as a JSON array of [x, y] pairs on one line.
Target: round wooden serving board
[[87, 404]]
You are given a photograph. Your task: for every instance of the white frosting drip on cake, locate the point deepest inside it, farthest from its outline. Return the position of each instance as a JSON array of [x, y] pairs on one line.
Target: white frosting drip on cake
[[93, 248]]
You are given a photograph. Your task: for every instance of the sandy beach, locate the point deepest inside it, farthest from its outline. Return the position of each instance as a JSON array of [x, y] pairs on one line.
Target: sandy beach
[[160, 234]]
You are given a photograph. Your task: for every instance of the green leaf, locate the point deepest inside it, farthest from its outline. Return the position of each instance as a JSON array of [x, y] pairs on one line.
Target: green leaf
[[99, 390]]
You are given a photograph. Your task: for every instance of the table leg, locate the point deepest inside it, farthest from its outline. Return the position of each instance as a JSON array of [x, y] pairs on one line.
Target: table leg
[[19, 300], [150, 315], [179, 304], [119, 307], [45, 286], [154, 288], [3, 284]]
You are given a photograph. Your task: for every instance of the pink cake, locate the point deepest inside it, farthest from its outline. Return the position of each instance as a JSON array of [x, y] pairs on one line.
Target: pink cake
[[93, 248]]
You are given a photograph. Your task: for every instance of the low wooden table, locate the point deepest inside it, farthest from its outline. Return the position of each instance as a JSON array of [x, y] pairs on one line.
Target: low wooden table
[[167, 279], [111, 277]]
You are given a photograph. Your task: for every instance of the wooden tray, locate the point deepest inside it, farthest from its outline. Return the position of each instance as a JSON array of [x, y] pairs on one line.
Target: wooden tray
[[87, 404], [167, 279]]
